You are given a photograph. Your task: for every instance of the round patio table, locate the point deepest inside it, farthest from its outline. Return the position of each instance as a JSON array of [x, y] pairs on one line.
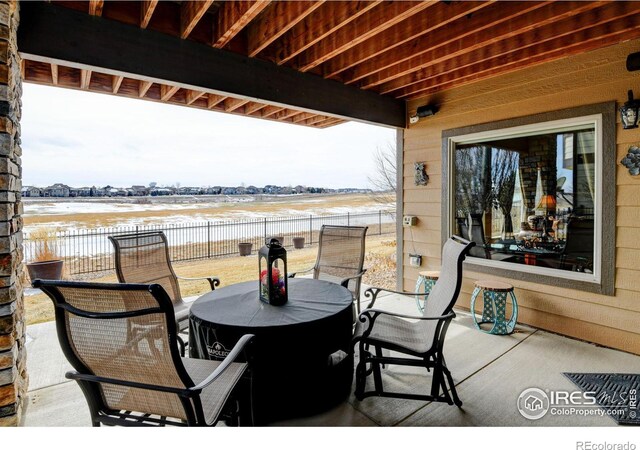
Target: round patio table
[[300, 362]]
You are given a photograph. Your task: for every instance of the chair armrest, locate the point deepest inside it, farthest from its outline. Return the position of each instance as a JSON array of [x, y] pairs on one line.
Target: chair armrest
[[345, 281], [230, 358], [213, 281], [292, 275], [373, 292], [370, 316], [73, 375]]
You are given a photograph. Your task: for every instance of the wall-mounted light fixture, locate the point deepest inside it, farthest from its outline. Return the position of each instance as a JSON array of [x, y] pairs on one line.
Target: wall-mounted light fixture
[[629, 112], [423, 111]]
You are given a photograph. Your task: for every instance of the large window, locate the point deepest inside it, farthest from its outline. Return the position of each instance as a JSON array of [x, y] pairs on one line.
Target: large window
[[530, 197]]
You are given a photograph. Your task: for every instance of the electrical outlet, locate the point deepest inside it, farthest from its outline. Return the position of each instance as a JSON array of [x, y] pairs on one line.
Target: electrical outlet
[[409, 221], [415, 260]]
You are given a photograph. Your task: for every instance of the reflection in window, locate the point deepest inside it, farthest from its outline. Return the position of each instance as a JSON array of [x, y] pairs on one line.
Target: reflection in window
[[530, 199]]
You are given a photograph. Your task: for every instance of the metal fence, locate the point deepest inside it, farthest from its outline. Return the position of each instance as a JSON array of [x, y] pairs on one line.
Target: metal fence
[[88, 251]]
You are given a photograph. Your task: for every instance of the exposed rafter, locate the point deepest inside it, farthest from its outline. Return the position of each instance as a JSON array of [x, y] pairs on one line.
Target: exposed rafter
[[85, 78], [147, 7], [233, 16], [279, 18], [192, 96], [143, 88], [190, 14], [232, 104], [116, 82], [54, 74], [166, 92], [95, 7], [253, 107], [326, 20], [214, 100]]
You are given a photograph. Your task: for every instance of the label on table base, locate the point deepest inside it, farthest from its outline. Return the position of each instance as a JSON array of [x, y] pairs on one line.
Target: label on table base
[[217, 350]]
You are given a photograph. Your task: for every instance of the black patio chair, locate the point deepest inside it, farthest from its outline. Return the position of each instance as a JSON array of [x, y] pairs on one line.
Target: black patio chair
[[144, 258], [420, 338], [121, 339], [340, 257]]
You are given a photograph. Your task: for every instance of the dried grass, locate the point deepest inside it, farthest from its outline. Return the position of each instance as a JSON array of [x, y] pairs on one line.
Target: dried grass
[[45, 244]]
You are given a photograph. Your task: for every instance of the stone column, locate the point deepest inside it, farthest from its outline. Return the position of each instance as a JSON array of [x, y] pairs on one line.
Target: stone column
[[13, 372]]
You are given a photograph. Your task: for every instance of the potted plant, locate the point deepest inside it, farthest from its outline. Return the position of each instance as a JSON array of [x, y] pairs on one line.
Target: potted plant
[[46, 263], [298, 242], [245, 248]]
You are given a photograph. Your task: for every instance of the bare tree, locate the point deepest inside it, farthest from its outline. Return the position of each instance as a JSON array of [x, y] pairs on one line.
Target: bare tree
[[383, 179]]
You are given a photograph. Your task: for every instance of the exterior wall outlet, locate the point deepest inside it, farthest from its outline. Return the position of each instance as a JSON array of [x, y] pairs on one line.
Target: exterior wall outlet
[[409, 221], [415, 260]]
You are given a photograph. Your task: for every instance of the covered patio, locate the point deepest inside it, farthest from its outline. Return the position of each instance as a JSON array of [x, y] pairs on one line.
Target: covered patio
[[440, 73]]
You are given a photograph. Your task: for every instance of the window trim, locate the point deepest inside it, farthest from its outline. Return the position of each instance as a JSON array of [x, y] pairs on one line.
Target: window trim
[[603, 116]]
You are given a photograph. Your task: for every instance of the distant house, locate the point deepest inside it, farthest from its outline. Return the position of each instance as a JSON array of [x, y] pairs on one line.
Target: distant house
[[253, 190], [229, 191], [190, 190], [80, 192], [299, 189], [215, 190], [56, 190], [97, 192], [241, 190], [139, 191], [156, 192], [31, 191]]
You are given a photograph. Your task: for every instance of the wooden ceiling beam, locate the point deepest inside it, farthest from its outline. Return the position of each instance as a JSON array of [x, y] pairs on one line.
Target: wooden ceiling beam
[[303, 116], [270, 111], [324, 21], [439, 15], [85, 78], [313, 120], [497, 17], [190, 14], [214, 100], [253, 107], [95, 7], [143, 87], [147, 7], [289, 113], [23, 68], [116, 82], [572, 44], [276, 20], [373, 22], [232, 17], [329, 122], [167, 91], [192, 95], [232, 104], [54, 74], [552, 32]]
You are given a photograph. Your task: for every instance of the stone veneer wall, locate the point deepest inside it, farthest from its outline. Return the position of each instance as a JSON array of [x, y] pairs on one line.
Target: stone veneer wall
[[13, 372]]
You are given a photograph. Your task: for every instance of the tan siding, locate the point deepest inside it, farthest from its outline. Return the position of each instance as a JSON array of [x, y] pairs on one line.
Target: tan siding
[[588, 78]]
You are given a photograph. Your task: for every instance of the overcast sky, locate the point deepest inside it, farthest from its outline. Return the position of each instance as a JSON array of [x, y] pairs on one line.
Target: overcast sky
[[84, 139]]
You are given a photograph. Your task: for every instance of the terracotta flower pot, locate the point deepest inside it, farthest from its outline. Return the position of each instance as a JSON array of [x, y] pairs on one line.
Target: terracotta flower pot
[[245, 248], [298, 242], [45, 270]]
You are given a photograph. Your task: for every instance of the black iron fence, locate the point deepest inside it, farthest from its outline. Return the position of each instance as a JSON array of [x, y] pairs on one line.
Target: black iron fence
[[87, 251]]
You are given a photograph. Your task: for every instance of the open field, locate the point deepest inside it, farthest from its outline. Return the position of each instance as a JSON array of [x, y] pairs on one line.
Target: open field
[[380, 263]]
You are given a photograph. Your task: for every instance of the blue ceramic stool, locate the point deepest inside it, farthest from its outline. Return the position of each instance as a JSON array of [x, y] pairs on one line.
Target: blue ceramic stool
[[494, 306], [426, 281]]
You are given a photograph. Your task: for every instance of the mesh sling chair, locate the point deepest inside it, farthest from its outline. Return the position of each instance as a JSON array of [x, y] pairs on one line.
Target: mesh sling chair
[[340, 257], [421, 340], [144, 258], [121, 339]]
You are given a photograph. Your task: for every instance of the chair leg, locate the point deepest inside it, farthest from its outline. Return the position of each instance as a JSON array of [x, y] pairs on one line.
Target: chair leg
[[377, 378], [452, 386], [361, 372]]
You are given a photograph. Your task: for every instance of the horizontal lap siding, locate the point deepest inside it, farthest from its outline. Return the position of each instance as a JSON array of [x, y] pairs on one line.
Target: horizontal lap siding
[[588, 78]]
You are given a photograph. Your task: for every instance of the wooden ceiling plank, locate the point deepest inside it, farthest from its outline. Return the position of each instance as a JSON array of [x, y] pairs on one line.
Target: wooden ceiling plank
[[232, 17], [143, 87], [303, 116], [324, 21], [232, 104], [192, 96], [551, 32], [439, 16], [190, 14], [289, 113], [95, 7], [329, 123], [254, 107], [586, 40], [147, 7], [214, 100], [373, 22], [167, 91], [270, 111], [116, 82], [313, 120], [499, 18], [279, 18], [54, 74], [85, 78]]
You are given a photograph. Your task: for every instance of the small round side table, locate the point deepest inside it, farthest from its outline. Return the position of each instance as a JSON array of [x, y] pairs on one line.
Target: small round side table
[[426, 281], [494, 299]]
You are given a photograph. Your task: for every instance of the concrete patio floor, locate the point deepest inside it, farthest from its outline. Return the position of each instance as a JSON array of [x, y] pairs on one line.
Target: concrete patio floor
[[489, 371]]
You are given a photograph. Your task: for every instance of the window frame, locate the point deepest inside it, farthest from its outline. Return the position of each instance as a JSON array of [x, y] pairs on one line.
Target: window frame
[[603, 117]]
